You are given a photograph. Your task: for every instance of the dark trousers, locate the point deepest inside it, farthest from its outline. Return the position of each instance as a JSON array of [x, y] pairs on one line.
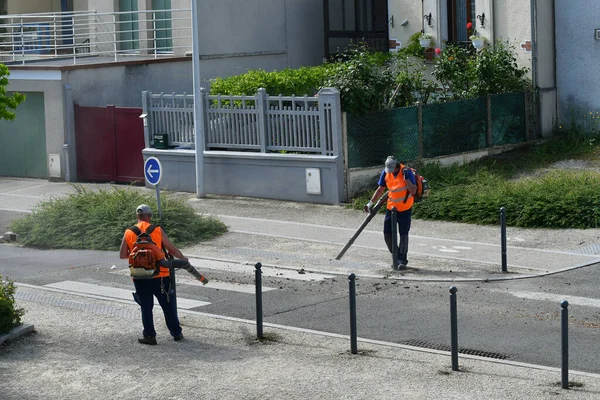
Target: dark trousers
[[146, 290], [403, 219]]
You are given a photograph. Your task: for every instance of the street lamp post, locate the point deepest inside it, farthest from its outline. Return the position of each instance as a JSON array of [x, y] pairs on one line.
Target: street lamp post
[[198, 103]]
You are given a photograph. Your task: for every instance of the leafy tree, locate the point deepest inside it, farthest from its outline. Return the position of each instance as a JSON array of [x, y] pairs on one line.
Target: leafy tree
[[8, 103]]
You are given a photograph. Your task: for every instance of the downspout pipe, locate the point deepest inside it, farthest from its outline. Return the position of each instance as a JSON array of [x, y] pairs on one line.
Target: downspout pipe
[[534, 65], [534, 55], [422, 16]]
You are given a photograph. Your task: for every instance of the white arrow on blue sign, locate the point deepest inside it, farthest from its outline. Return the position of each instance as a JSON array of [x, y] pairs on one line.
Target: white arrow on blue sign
[[152, 170]]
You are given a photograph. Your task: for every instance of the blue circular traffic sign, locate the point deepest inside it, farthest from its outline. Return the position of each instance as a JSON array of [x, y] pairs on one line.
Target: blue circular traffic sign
[[152, 170]]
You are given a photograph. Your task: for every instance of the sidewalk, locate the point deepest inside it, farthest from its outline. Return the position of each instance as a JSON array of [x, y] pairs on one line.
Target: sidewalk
[[93, 354]]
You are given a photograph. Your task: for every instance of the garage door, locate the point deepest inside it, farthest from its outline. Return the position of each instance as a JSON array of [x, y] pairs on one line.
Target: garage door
[[23, 140]]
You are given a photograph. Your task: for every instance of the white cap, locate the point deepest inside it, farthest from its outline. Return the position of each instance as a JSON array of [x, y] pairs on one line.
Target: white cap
[[143, 209], [390, 164]]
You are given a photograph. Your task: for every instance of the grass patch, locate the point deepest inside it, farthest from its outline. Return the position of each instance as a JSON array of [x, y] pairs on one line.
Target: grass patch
[[473, 193], [96, 220]]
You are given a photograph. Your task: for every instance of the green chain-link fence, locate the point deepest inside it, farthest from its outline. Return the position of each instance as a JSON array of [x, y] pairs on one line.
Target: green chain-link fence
[[372, 137], [438, 129]]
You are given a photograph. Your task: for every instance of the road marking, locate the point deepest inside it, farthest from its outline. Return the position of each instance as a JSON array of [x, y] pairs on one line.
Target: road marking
[[15, 210], [27, 196], [212, 284], [122, 294], [230, 286], [351, 231], [201, 265], [556, 298]]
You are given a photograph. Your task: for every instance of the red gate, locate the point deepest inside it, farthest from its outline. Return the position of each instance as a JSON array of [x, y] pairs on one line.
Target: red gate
[[109, 143]]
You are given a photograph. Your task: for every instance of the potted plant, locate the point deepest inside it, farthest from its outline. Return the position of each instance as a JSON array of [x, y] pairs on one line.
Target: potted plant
[[425, 39], [479, 42]]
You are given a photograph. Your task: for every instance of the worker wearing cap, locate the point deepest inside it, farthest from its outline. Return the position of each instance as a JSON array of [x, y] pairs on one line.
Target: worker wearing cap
[[401, 185], [158, 286]]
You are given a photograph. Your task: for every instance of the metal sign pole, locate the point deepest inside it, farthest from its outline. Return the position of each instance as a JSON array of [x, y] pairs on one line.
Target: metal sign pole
[[158, 202]]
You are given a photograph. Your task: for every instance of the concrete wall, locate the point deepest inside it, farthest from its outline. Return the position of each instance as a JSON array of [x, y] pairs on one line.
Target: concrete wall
[[27, 7], [512, 23], [305, 32], [272, 176], [577, 53], [122, 85], [268, 34], [405, 10]]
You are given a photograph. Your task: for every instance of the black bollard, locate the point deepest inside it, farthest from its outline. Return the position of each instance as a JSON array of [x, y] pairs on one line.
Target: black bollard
[[564, 324], [394, 238], [503, 237], [259, 311], [454, 328], [353, 336]]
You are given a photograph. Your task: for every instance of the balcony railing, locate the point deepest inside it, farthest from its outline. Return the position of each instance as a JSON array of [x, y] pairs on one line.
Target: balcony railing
[[77, 34]]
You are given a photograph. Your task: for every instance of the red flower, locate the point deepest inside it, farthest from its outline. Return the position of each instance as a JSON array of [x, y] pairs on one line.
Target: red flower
[[469, 25], [438, 51]]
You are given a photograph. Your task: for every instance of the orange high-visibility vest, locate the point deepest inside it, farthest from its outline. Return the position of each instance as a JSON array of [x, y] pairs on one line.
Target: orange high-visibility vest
[[156, 235], [397, 191]]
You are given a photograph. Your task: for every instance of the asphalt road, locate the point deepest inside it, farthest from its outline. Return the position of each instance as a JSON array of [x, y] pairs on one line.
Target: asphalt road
[[509, 319], [514, 318]]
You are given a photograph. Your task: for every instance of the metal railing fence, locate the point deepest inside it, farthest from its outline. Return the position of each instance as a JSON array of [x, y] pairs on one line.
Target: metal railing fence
[[439, 129], [260, 123], [76, 34]]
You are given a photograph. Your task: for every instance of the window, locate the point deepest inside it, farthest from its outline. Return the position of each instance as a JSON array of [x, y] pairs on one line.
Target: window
[[349, 21], [460, 12]]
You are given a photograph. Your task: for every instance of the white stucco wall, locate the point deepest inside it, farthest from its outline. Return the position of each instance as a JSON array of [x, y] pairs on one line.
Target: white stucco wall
[[407, 10]]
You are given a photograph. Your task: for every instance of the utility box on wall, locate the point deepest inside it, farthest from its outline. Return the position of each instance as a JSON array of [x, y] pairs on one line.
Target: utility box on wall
[[54, 165], [313, 181], [161, 141]]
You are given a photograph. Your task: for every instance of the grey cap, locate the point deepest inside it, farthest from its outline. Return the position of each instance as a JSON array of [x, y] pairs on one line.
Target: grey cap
[[390, 164], [143, 209]]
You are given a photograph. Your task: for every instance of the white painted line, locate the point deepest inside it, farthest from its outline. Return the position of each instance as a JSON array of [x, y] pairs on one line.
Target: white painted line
[[25, 188], [15, 210], [201, 265], [557, 298], [212, 284], [229, 286], [25, 196], [351, 231], [123, 294]]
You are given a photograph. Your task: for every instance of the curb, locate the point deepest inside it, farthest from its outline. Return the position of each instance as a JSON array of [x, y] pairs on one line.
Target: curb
[[20, 330]]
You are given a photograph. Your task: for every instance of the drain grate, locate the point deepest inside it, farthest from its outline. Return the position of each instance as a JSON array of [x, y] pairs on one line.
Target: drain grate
[[443, 347]]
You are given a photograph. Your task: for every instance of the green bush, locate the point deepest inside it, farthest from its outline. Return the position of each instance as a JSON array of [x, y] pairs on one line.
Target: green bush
[[10, 316], [466, 74], [411, 84], [96, 220], [475, 192], [302, 81]]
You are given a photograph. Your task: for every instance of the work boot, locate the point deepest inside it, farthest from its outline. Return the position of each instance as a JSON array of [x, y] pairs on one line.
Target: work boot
[[150, 340]]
